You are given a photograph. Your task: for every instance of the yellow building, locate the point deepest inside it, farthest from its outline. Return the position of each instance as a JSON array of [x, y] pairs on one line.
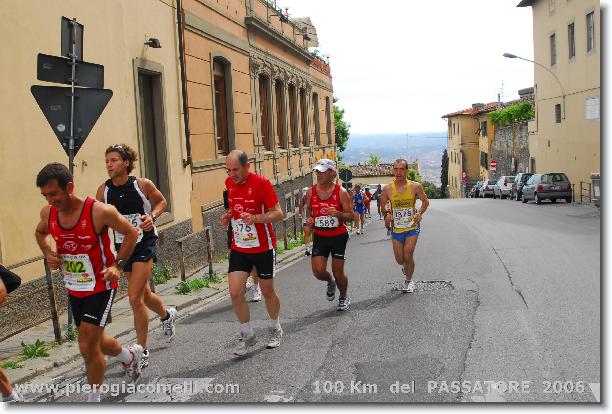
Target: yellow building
[[565, 135], [144, 111]]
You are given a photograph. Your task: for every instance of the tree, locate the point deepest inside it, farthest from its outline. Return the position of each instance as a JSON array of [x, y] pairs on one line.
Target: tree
[[374, 159], [444, 176], [343, 129], [431, 190], [414, 176]]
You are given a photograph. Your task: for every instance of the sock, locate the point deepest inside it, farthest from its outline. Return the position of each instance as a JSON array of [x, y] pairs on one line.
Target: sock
[[14, 396], [276, 324], [93, 395], [124, 356], [167, 316], [246, 329]]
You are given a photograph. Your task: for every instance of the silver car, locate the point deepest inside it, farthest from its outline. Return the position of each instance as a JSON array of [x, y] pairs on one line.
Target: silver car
[[550, 186], [503, 187], [488, 188]]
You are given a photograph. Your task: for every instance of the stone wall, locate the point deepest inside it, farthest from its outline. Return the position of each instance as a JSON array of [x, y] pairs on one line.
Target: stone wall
[[502, 149]]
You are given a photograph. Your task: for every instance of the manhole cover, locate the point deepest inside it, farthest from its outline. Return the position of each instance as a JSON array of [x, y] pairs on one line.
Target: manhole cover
[[426, 285]]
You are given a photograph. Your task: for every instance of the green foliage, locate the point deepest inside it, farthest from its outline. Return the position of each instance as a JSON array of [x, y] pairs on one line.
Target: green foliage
[[215, 278], [279, 249], [161, 274], [35, 350], [193, 285], [414, 176], [11, 365], [431, 190], [519, 112], [71, 332], [374, 159], [444, 176], [343, 129]]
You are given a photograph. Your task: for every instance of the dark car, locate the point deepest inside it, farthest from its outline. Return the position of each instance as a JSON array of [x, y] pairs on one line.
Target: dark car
[[517, 187], [549, 186]]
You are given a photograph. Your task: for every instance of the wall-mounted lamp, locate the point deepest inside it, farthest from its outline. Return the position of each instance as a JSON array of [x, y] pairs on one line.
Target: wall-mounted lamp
[[153, 42]]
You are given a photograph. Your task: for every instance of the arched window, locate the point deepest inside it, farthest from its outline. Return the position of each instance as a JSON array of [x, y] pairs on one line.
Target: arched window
[[315, 118], [221, 107], [280, 114], [293, 117], [329, 120], [264, 111], [304, 117]]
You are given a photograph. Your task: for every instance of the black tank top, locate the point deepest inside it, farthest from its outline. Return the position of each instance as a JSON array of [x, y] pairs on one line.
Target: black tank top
[[131, 202]]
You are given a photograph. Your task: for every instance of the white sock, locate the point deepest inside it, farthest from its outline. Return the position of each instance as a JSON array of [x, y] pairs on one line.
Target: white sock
[[93, 395], [276, 324], [246, 329], [125, 355], [14, 396]]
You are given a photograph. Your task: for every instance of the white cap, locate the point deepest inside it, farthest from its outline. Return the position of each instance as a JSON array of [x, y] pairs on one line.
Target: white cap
[[325, 164]]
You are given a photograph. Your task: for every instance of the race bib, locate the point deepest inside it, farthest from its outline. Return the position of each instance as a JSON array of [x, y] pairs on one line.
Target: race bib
[[403, 218], [327, 222], [245, 235], [135, 221], [78, 272]]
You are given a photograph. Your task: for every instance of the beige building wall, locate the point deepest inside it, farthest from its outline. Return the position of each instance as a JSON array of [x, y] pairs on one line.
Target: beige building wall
[[114, 36], [572, 146], [454, 157], [485, 143]]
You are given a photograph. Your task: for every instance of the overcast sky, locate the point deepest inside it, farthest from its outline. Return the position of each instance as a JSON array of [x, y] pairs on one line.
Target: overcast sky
[[399, 65]]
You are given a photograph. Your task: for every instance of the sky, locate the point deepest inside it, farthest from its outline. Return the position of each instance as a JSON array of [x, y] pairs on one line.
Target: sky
[[398, 66]]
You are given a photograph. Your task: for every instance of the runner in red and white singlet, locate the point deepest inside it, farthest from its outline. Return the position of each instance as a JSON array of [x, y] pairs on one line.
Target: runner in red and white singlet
[[329, 207]]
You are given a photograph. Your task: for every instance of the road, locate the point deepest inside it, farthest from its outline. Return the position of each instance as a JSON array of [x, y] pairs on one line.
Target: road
[[507, 308]]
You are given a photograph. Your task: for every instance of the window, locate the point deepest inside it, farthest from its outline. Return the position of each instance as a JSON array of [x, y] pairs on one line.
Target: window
[[293, 117], [329, 120], [571, 40], [590, 28], [484, 128], [454, 128], [315, 116], [152, 120], [220, 107], [280, 114], [484, 159], [304, 117], [558, 113], [553, 49], [264, 112]]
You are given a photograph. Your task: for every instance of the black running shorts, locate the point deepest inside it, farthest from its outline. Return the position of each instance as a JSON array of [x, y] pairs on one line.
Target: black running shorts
[[143, 252], [94, 309], [243, 262], [334, 245]]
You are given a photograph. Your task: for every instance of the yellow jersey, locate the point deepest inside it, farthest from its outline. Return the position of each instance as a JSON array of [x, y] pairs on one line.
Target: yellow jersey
[[402, 207]]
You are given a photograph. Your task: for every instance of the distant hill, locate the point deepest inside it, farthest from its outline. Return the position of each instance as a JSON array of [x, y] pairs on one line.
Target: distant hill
[[427, 147]]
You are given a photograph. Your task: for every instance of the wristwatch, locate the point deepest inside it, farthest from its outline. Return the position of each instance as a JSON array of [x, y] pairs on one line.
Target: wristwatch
[[121, 263], [153, 217]]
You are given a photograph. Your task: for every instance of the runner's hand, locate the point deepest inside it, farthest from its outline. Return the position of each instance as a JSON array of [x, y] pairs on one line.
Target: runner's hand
[[147, 222], [111, 273], [310, 221], [225, 219], [53, 261], [332, 212], [388, 219], [417, 217], [248, 218]]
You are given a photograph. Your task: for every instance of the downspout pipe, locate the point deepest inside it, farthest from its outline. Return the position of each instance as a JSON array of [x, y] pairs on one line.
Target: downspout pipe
[[181, 45]]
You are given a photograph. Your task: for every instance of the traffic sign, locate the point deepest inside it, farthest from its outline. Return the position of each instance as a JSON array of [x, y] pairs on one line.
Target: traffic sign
[[59, 70], [346, 175], [71, 33], [54, 101], [493, 165]]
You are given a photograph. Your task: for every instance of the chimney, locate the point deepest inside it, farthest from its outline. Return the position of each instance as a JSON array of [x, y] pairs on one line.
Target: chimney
[[478, 106]]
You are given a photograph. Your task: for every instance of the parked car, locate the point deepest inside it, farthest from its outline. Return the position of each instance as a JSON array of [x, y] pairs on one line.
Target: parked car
[[549, 186], [517, 186], [488, 188], [503, 187]]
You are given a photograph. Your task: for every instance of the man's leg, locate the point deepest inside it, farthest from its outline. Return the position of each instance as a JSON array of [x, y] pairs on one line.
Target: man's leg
[[5, 385], [90, 341], [237, 288], [319, 269], [271, 298], [398, 251], [137, 280], [409, 246], [340, 276]]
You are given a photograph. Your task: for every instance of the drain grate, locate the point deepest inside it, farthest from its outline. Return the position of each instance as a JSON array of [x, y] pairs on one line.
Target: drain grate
[[425, 285]]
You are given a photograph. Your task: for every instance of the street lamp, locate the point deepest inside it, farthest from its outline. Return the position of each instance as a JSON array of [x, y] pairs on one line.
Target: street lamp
[[511, 56]]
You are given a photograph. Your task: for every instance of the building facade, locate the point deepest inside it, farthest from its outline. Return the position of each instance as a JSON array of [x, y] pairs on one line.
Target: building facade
[[565, 134]]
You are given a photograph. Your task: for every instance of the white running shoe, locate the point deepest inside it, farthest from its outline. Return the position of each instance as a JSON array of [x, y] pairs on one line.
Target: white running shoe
[[275, 338], [168, 327], [256, 293], [408, 286], [133, 368], [243, 343], [144, 362], [343, 303]]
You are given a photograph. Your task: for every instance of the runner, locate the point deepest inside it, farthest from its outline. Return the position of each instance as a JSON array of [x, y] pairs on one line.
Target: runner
[[388, 224], [252, 284], [329, 207], [403, 193], [367, 199], [359, 207], [141, 203], [9, 394], [91, 272], [305, 225], [253, 207], [376, 196]]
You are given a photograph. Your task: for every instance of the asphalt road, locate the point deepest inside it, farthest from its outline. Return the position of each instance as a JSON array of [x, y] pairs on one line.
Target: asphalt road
[[507, 308]]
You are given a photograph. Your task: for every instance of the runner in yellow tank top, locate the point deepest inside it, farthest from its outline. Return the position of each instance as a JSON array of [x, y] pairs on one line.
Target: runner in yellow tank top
[[402, 195]]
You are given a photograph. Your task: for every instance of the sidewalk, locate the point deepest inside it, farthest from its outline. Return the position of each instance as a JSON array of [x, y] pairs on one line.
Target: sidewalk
[[122, 326]]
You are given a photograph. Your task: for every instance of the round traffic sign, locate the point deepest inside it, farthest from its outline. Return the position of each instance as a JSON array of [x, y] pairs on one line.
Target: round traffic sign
[[493, 164]]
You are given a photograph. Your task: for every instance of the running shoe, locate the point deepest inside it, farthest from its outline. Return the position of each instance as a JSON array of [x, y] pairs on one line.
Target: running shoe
[[275, 338], [132, 369], [168, 325], [256, 295], [358, 232], [408, 286], [308, 252], [388, 232], [331, 291], [144, 361], [243, 343], [14, 397], [343, 303]]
